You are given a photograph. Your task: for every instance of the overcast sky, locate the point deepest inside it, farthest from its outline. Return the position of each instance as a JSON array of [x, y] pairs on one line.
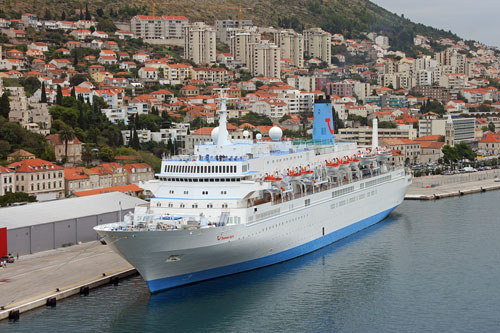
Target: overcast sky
[[469, 19]]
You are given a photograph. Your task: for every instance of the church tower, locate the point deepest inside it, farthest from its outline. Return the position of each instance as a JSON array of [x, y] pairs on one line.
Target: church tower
[[449, 137]]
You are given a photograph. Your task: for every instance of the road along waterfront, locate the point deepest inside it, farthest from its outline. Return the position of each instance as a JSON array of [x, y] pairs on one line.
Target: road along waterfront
[[440, 186]]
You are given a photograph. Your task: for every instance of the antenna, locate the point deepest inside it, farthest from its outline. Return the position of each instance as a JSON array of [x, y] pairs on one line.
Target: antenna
[[223, 136]]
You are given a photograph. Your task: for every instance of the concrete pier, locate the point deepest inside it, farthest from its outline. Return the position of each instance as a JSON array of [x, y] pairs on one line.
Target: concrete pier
[[438, 187], [31, 280]]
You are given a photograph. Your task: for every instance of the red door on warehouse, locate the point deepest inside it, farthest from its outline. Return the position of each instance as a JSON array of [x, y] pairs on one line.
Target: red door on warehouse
[[3, 242]]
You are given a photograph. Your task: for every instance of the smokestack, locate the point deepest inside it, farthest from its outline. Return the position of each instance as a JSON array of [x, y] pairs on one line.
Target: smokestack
[[375, 134]]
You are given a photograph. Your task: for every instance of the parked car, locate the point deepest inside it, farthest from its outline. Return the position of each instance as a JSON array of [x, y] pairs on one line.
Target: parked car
[[9, 258]]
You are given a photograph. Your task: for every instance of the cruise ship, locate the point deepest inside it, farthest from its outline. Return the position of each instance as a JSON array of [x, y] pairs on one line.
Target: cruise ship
[[238, 205]]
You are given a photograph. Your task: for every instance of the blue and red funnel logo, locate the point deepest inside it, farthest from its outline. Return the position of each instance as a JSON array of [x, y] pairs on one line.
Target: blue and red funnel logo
[[323, 126]]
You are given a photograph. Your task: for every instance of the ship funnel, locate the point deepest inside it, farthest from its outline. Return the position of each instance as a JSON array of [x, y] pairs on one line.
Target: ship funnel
[[375, 134], [323, 130]]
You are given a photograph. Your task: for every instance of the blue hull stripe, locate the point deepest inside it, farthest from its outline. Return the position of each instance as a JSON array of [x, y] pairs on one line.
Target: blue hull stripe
[[179, 280]]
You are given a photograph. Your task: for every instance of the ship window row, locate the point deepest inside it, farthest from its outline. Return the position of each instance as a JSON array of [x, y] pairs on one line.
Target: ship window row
[[342, 191], [200, 180], [378, 181], [200, 168]]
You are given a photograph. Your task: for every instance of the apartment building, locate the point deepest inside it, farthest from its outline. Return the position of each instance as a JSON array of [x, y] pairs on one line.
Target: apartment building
[[318, 44], [409, 149], [453, 81], [7, 180], [167, 29], [239, 45], [38, 177], [199, 43], [265, 59], [291, 44], [138, 172], [363, 135], [223, 26]]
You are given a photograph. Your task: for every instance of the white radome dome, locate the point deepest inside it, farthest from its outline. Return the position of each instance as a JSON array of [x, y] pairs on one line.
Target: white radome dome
[[246, 134], [275, 133], [215, 134], [258, 136]]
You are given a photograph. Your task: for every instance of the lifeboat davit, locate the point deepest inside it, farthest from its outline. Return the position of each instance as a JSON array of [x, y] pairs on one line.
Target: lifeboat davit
[[355, 162]]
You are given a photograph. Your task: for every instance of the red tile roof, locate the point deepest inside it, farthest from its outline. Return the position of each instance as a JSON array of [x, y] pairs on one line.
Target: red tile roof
[[122, 188], [33, 165], [54, 138]]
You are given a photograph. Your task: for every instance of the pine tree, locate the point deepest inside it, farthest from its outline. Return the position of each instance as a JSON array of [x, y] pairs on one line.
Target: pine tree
[[75, 59], [59, 95], [81, 118], [134, 142], [43, 98], [48, 15], [170, 146], [87, 13], [63, 15], [4, 106], [81, 14], [73, 93], [136, 120]]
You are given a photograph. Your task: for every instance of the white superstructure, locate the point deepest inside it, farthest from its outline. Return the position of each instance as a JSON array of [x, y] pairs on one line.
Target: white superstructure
[[240, 205]]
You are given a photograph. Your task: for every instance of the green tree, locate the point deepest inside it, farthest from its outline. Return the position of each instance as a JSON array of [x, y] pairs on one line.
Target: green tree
[[491, 127], [134, 140], [48, 153], [449, 154], [73, 93], [30, 84], [464, 151], [106, 25], [66, 134], [4, 149], [106, 154], [87, 13], [59, 96], [77, 79], [4, 106], [43, 98], [12, 197]]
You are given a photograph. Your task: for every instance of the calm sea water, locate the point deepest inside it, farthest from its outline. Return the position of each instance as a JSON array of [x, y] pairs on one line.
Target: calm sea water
[[430, 266]]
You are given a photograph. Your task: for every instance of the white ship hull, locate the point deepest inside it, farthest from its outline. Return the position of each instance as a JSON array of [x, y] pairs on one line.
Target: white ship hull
[[273, 233]]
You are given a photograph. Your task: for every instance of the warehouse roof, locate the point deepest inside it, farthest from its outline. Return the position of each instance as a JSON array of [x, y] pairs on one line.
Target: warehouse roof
[[65, 209]]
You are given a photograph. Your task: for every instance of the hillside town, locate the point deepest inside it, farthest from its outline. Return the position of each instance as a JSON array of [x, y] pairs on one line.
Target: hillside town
[[91, 106]]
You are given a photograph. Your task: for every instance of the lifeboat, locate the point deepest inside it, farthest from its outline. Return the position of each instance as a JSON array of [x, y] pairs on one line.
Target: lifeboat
[[383, 155], [294, 174], [272, 178], [332, 166], [367, 158], [306, 171], [344, 164]]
